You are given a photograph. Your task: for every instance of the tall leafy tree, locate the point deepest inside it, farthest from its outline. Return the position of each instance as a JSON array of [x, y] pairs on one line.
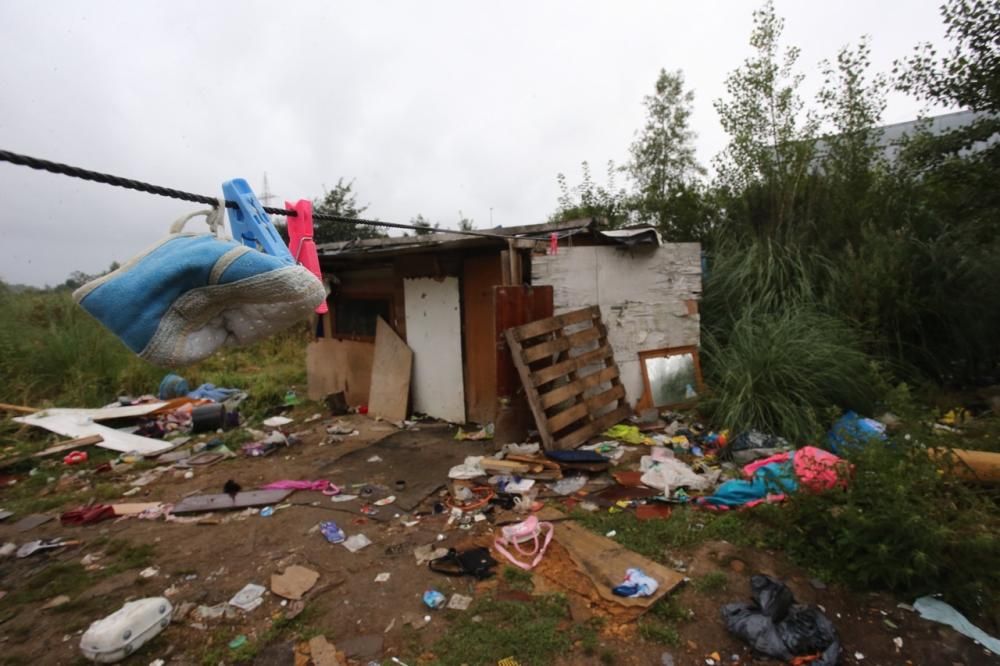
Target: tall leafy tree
[[342, 202], [608, 203], [662, 163], [766, 163]]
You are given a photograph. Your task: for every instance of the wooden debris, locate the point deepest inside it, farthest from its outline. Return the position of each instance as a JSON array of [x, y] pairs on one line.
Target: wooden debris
[[569, 375]]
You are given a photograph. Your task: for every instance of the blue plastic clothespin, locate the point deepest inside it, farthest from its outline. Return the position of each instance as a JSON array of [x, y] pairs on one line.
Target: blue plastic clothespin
[[251, 224]]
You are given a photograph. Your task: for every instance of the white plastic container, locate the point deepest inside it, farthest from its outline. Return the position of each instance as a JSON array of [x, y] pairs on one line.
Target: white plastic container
[[122, 633]]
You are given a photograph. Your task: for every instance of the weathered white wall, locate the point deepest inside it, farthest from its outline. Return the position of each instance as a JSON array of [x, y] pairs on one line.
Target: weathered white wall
[[648, 296], [434, 333]]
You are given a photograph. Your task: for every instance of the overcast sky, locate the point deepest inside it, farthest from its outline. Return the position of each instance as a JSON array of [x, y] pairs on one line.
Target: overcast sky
[[432, 107]]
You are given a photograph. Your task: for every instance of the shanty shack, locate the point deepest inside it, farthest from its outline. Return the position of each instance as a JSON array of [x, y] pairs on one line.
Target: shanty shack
[[450, 297]]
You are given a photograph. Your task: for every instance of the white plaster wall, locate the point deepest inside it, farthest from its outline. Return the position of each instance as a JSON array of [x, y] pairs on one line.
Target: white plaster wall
[[642, 292], [434, 333]]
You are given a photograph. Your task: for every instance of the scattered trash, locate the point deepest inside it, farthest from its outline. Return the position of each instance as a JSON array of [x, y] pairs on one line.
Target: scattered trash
[[322, 652], [111, 639], [267, 512], [774, 625], [75, 458], [428, 553], [385, 501], [611, 534], [459, 602], [55, 602], [356, 542], [294, 582], [569, 484], [340, 428], [249, 598], [149, 572], [636, 584], [628, 434], [32, 547], [486, 432], [936, 610], [851, 430], [343, 498], [475, 562], [375, 459], [331, 531], [383, 577], [87, 515], [434, 599], [538, 534], [8, 549], [276, 421], [898, 642], [238, 642]]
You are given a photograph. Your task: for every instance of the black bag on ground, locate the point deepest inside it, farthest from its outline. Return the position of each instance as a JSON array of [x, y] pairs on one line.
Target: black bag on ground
[[774, 625], [473, 562]]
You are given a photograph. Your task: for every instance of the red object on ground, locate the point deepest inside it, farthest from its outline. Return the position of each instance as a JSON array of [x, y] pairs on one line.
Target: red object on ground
[[362, 409], [652, 511], [75, 458], [86, 515]]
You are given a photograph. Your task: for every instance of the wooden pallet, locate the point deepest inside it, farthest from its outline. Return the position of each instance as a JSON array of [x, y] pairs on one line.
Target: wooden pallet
[[569, 375]]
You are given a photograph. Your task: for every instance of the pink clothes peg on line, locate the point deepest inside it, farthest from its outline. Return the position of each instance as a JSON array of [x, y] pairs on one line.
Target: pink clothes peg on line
[[300, 241]]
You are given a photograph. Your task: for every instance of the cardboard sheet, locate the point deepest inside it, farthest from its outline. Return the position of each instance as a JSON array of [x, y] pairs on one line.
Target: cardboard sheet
[[390, 384], [605, 561]]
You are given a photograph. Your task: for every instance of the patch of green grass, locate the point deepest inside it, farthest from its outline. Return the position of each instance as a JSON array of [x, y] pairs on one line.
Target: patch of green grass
[[532, 633], [69, 578], [686, 527], [668, 609], [518, 579], [128, 556], [711, 583], [659, 632]]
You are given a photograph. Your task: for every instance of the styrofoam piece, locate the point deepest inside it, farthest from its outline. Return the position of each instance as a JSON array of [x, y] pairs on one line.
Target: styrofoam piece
[[80, 423], [111, 639]]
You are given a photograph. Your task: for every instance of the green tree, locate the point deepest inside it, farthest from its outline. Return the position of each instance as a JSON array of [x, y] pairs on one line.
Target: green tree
[[425, 225], [606, 203], [465, 223], [663, 166], [766, 164], [341, 201]]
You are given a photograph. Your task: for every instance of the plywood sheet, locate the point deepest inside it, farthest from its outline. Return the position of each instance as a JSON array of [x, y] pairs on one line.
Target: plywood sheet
[[340, 365], [605, 561], [391, 368], [433, 332]]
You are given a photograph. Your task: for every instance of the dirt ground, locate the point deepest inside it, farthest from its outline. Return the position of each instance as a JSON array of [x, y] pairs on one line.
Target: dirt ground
[[207, 563]]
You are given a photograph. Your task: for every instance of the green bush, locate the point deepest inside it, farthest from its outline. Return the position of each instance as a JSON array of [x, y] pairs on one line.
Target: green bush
[[780, 372], [904, 524]]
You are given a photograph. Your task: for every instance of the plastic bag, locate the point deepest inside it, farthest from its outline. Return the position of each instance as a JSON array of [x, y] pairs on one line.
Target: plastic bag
[[774, 625]]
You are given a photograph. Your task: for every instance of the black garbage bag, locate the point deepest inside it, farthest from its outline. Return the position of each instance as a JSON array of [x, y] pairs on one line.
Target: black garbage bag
[[753, 445], [774, 625]]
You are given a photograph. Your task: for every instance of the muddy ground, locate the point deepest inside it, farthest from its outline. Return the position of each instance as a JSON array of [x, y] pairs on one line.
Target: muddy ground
[[206, 563]]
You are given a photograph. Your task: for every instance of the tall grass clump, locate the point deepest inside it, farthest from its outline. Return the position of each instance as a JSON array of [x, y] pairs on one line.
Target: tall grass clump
[[781, 372], [776, 359]]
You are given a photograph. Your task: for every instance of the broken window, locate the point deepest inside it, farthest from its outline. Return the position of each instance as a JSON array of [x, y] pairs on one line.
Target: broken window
[[356, 317]]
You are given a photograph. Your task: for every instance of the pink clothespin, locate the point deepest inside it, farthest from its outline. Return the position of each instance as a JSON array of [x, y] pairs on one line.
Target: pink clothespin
[[300, 241], [553, 243]]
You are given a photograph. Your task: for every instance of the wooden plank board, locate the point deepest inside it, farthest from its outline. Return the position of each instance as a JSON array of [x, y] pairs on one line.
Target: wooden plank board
[[546, 375], [578, 420], [334, 365], [540, 351], [543, 326], [434, 333], [574, 388], [479, 275], [391, 368], [515, 306], [605, 561], [594, 428]]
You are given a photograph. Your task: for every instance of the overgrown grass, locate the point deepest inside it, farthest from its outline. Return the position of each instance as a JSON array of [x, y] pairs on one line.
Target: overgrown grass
[[711, 583], [52, 353], [783, 372], [685, 527]]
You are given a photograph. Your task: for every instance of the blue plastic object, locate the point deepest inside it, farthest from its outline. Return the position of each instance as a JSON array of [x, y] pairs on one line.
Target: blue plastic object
[[250, 224], [851, 430]]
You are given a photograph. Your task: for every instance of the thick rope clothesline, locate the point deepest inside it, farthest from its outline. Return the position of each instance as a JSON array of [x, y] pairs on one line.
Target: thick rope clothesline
[[131, 184]]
